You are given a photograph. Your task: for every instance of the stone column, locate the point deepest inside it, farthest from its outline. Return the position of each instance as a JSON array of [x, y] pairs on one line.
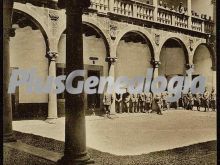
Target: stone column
[[75, 132], [111, 6], [111, 61], [52, 100], [189, 13], [189, 73], [7, 105], [155, 63], [155, 9]]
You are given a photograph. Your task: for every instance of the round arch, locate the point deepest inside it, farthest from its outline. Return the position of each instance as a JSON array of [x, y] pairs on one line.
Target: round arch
[[135, 53], [211, 51], [146, 35], [180, 42], [98, 30], [173, 56], [103, 36], [28, 49], [36, 20], [204, 62]]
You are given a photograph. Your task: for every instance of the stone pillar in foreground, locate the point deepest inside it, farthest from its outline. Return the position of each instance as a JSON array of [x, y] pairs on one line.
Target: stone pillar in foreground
[[52, 99], [7, 105], [111, 61], [75, 132]]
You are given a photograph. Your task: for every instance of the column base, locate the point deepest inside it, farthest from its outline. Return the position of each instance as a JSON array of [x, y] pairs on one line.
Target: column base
[[67, 160], [7, 138], [51, 120]]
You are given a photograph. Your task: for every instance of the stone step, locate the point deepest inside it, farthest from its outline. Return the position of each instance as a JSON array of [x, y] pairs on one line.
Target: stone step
[[35, 151]]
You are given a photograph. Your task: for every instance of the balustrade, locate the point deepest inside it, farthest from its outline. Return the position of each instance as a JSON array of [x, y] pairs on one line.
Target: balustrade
[[161, 14], [164, 16], [123, 8], [197, 24], [100, 5], [208, 26], [145, 12], [181, 20]]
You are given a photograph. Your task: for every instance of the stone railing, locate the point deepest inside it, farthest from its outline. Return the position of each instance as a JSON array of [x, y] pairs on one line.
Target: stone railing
[[123, 8], [181, 20], [100, 5], [197, 24], [146, 11], [164, 16], [208, 26]]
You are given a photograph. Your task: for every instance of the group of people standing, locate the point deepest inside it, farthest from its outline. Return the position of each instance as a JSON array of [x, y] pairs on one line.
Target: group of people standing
[[148, 102]]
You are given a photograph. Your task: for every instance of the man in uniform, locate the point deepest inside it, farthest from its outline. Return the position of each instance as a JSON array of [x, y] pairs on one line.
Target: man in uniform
[[142, 102], [181, 8], [164, 96], [213, 99], [134, 101], [206, 99], [190, 100], [138, 103], [107, 101], [126, 102], [198, 101], [118, 103], [158, 104], [148, 101]]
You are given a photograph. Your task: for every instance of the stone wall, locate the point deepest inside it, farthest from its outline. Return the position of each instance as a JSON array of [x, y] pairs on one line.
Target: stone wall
[[203, 65], [133, 59], [28, 51], [172, 61]]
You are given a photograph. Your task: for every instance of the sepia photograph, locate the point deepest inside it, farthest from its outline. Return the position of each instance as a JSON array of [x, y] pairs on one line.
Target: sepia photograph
[[109, 82]]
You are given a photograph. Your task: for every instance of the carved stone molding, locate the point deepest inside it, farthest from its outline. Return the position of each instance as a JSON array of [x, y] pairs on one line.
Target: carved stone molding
[[53, 16], [191, 44], [157, 39], [9, 32], [113, 31], [190, 66], [54, 23]]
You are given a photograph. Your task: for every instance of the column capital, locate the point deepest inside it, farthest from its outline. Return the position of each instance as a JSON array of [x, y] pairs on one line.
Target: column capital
[[9, 32], [190, 69], [51, 55], [155, 63], [111, 59], [190, 66]]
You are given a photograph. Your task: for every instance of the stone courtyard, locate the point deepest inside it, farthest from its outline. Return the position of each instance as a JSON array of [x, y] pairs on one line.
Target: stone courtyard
[[134, 134]]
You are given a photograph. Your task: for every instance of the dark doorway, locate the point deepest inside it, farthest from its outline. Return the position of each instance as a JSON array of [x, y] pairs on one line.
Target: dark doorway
[[93, 100]]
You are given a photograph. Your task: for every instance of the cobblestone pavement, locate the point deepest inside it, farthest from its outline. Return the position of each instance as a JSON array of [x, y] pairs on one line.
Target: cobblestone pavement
[[134, 134]]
